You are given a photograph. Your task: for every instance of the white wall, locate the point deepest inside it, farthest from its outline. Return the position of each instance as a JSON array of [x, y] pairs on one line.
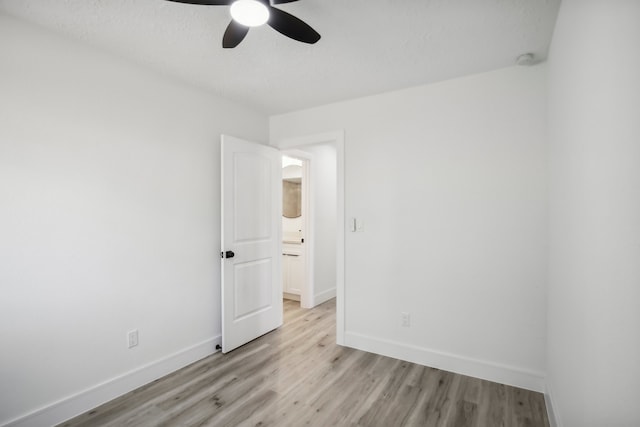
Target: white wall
[[109, 221], [450, 181], [323, 179], [594, 292]]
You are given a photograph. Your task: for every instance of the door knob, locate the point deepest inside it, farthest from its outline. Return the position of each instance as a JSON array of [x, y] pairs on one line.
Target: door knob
[[227, 254]]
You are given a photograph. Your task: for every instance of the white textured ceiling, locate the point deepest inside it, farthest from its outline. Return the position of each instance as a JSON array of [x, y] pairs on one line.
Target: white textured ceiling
[[367, 46]]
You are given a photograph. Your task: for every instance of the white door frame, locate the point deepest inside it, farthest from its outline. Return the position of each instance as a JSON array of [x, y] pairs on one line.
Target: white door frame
[[337, 138]]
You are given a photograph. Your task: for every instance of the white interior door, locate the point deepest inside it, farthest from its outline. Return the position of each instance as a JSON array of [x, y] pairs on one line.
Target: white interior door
[[251, 242]]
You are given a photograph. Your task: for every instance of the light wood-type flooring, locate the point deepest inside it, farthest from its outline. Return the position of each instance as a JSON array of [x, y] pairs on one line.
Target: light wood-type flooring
[[298, 376]]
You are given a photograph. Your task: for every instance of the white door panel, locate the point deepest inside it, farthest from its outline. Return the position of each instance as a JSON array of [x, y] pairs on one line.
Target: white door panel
[[251, 211]]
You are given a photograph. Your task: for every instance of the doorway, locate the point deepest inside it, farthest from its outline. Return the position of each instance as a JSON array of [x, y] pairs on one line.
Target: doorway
[[323, 155], [251, 188], [295, 223]]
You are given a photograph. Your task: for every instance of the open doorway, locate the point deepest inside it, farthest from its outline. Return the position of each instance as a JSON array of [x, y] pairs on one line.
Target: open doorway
[[322, 228], [295, 223], [251, 280]]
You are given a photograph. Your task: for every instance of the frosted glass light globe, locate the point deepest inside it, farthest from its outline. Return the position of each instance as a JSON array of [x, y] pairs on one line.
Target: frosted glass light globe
[[250, 13]]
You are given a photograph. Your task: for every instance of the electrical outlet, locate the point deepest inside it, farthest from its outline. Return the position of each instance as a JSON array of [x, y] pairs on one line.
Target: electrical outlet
[[405, 319], [132, 338]]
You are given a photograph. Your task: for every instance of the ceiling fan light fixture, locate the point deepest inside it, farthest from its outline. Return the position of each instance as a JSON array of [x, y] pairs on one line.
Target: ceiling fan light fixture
[[250, 13]]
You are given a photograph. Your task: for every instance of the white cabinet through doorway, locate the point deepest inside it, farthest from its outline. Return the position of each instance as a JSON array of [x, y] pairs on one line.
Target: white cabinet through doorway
[[292, 269]]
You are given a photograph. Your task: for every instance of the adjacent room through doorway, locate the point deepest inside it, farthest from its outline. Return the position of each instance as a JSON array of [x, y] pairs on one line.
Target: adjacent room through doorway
[[309, 224]]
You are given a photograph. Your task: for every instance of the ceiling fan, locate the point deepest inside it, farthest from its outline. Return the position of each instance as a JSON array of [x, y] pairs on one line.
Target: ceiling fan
[[253, 13]]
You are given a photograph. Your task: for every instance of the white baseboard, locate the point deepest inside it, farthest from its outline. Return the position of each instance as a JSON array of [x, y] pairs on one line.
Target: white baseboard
[[495, 372], [324, 296], [83, 401], [292, 297], [554, 419]]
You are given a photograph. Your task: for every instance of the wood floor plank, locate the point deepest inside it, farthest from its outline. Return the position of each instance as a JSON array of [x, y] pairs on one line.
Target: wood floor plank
[[387, 405], [437, 399], [465, 413], [297, 376]]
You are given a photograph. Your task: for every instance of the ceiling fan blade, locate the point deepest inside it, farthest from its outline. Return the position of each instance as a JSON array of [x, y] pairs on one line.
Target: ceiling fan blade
[[282, 1], [291, 26], [205, 2], [233, 35]]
